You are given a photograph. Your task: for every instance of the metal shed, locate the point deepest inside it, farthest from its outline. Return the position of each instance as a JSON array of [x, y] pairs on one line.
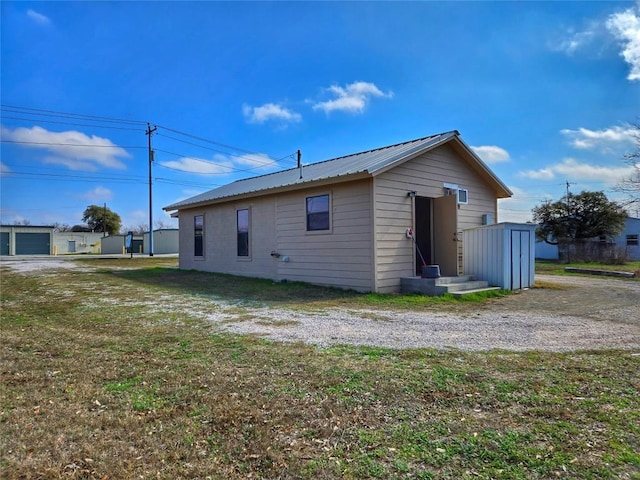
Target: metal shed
[[502, 254], [165, 240]]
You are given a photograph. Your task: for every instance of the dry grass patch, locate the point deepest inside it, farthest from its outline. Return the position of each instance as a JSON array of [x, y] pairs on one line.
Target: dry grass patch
[[101, 389]]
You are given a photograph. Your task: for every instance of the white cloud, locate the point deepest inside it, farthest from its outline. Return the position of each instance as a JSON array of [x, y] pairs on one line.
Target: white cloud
[[73, 149], [96, 195], [352, 98], [201, 166], [4, 168], [270, 111], [38, 17], [574, 41], [583, 138], [577, 171], [492, 153], [625, 27], [542, 174], [255, 160], [221, 164]]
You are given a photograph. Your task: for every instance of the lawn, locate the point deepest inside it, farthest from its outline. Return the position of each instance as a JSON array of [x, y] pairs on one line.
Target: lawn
[[98, 381], [556, 268]]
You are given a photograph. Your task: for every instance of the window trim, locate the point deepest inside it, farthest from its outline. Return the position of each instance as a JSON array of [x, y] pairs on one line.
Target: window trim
[[195, 235], [248, 255], [632, 240], [323, 231]]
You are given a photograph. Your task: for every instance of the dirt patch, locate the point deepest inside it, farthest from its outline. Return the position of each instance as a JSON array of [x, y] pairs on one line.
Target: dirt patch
[[595, 298]]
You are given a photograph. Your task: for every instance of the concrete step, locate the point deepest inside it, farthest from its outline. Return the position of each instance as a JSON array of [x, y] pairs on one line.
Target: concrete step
[[476, 290], [442, 285], [470, 285]]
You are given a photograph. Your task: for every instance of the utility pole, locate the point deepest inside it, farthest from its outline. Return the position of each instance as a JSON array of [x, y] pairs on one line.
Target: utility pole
[[104, 221], [150, 132]]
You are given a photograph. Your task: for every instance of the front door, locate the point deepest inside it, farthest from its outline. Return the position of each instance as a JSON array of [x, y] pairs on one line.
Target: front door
[[445, 234], [423, 233]]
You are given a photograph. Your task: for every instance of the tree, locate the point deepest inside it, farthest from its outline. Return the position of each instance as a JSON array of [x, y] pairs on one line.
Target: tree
[[62, 227], [575, 219], [101, 219], [631, 185]]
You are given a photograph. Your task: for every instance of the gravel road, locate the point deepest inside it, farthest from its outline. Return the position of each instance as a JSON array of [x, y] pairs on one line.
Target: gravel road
[[581, 313]]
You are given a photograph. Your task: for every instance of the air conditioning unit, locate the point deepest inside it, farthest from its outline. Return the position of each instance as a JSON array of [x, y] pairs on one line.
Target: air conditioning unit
[[461, 193]]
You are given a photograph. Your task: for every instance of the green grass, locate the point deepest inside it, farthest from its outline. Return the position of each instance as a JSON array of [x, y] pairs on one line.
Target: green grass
[[97, 383], [556, 268]]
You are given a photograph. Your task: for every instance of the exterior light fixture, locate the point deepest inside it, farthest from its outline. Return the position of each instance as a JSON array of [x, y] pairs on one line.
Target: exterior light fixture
[[411, 194]]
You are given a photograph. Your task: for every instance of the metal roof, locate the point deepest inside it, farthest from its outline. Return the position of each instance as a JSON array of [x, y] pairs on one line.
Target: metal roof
[[369, 162]]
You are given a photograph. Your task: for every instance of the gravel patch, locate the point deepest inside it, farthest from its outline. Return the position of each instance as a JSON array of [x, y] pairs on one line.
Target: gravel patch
[[516, 331], [585, 313]]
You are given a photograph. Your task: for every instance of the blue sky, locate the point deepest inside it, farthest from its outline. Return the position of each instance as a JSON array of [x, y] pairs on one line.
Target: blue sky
[[543, 91]]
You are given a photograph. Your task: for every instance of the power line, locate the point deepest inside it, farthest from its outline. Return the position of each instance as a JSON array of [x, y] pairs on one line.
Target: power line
[[75, 124], [59, 114], [56, 144], [9, 174]]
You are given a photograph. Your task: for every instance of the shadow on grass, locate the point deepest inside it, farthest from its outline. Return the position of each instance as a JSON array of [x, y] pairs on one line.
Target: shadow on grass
[[259, 290]]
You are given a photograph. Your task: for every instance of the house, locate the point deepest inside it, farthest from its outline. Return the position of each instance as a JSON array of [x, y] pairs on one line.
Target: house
[[351, 222], [626, 244]]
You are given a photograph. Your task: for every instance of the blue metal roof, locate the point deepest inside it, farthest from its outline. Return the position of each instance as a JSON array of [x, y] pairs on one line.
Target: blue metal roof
[[369, 162]]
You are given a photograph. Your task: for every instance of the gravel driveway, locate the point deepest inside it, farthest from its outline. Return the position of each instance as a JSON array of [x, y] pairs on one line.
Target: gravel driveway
[[582, 313], [586, 313]]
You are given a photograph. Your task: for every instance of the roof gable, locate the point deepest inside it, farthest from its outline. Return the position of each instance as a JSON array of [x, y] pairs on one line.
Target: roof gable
[[368, 163]]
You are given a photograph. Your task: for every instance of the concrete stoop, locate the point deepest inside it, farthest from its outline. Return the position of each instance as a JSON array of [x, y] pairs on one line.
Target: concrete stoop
[[457, 286]]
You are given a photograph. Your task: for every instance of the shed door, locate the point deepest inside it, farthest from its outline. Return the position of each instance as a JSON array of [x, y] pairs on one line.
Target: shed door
[[4, 243], [445, 234], [32, 243], [72, 246], [520, 261]]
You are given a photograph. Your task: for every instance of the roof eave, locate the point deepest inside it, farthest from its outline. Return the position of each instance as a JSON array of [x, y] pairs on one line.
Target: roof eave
[[438, 141], [501, 190], [269, 191]]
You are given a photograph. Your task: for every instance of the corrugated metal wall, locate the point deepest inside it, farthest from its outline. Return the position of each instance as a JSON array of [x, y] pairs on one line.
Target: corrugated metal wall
[[502, 254]]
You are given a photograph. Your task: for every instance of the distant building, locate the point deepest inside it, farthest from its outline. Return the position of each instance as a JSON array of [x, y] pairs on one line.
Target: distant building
[[26, 240], [164, 241], [76, 242], [627, 243]]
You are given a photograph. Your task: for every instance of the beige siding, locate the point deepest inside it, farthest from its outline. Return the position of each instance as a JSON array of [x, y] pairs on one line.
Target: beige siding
[[425, 175], [341, 257], [220, 239]]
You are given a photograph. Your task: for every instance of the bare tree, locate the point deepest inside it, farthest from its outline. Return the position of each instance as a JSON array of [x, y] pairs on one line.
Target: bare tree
[[62, 227], [630, 186], [139, 229]]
